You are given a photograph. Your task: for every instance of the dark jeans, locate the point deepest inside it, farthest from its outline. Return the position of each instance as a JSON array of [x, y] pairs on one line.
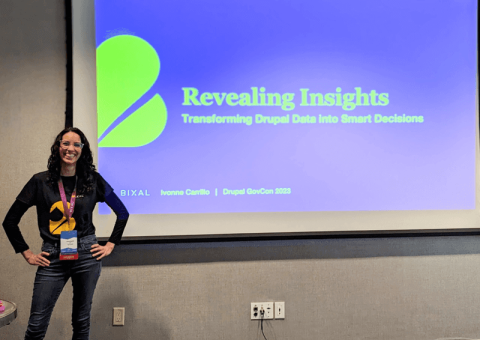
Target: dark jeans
[[50, 281]]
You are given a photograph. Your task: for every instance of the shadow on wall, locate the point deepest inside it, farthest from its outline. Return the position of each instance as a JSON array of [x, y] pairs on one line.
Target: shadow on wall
[[342, 248], [13, 331], [153, 327]]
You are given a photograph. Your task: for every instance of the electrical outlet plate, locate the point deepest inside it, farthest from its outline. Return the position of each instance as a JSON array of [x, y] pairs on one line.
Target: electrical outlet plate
[[118, 316], [280, 310], [256, 310]]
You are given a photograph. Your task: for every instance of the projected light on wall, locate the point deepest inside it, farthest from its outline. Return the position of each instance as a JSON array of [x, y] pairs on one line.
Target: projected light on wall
[[286, 107]]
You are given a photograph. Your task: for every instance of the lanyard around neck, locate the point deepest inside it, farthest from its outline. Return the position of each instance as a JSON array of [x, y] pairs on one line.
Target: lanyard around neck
[[67, 212]]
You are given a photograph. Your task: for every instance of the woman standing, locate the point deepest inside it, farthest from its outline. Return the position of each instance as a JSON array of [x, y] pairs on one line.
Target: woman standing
[[65, 196]]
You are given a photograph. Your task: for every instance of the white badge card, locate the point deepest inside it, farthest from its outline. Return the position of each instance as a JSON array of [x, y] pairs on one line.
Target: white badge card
[[68, 245]]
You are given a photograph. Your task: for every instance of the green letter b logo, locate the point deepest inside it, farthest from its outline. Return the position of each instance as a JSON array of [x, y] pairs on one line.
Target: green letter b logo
[[127, 67]]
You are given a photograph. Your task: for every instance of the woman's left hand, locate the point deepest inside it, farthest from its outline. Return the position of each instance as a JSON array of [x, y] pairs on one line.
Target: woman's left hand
[[101, 251]]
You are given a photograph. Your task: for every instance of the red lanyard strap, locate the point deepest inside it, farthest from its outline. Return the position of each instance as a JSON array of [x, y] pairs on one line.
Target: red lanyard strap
[[67, 212]]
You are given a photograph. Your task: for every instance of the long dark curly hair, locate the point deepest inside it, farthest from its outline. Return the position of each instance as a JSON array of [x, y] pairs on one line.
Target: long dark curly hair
[[85, 167]]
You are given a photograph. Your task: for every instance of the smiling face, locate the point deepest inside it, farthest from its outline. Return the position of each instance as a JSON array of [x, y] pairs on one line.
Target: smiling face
[[70, 155]]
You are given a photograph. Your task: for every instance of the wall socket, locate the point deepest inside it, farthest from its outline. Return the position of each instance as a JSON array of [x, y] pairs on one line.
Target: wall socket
[[280, 310], [118, 316], [261, 310]]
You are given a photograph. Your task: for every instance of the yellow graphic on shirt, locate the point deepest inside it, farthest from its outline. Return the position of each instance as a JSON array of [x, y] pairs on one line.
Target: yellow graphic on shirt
[[56, 227]]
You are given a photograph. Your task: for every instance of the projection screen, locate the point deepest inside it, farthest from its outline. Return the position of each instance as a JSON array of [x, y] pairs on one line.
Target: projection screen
[[232, 118]]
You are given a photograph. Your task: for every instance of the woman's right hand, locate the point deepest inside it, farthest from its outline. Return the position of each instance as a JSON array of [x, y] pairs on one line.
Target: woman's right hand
[[36, 260]]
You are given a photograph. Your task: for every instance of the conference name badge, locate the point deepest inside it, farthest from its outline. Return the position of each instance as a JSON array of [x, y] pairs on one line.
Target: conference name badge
[[68, 245]]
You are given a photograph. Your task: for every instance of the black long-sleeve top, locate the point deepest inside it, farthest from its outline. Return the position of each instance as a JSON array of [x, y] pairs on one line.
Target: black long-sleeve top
[[51, 220]]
